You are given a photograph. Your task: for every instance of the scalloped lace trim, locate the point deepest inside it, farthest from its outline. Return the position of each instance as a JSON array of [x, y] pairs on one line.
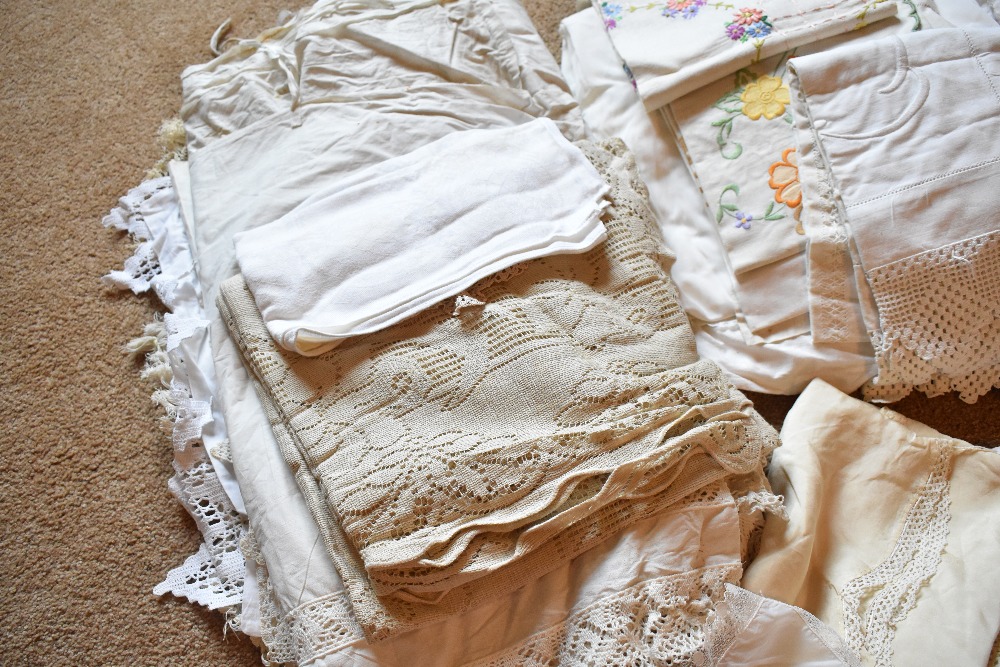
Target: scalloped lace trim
[[889, 591], [214, 576], [939, 314]]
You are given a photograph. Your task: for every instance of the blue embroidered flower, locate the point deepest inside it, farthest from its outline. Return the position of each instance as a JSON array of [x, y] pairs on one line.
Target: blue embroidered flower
[[743, 220], [612, 12], [758, 30]]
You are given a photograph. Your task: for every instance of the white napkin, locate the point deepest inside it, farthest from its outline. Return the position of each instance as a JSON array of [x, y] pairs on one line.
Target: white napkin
[[389, 241]]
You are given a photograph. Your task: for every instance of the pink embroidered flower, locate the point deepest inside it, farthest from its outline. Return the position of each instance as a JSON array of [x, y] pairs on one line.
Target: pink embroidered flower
[[748, 16]]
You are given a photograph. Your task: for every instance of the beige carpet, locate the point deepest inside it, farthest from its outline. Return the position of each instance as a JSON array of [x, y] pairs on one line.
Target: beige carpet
[[88, 527]]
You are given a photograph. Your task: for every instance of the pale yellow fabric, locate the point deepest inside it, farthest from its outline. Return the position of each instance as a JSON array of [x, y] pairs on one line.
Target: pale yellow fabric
[[893, 534]]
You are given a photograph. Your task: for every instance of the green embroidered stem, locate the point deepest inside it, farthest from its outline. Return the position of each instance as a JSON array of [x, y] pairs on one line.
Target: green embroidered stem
[[742, 218], [915, 15]]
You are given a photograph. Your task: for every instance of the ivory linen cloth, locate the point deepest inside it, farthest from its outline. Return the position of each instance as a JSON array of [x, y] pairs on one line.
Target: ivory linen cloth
[[389, 241], [893, 533], [432, 498], [702, 273], [922, 237], [673, 48]]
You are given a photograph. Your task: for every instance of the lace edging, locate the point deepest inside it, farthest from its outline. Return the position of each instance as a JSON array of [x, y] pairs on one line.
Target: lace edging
[[891, 587], [213, 576]]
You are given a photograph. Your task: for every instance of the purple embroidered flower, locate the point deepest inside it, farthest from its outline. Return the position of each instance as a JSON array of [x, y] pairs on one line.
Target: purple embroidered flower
[[743, 220], [749, 23], [686, 9], [758, 30], [735, 31], [612, 13]]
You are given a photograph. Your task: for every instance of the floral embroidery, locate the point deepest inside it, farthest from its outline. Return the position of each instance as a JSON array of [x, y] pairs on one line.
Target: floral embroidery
[[749, 23], [742, 218], [784, 180], [767, 96], [612, 14], [687, 9], [738, 103]]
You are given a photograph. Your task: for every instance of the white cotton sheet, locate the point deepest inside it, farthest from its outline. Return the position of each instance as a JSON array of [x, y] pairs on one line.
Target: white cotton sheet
[[928, 103], [386, 242], [702, 271], [676, 47], [893, 532]]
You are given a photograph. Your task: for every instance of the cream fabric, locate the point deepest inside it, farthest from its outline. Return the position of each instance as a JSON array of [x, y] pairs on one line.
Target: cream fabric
[[676, 47], [258, 150], [607, 416], [893, 532], [907, 101], [753, 631], [389, 241], [377, 51], [701, 272]]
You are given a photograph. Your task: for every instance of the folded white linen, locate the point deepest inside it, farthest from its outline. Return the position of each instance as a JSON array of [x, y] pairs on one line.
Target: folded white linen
[[675, 47], [702, 272], [927, 103], [893, 532], [386, 242]]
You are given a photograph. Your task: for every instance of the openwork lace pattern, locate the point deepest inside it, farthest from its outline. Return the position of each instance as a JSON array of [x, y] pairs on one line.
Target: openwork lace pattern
[[306, 633], [214, 575], [889, 591], [739, 609], [657, 622], [508, 439], [939, 318], [142, 270]]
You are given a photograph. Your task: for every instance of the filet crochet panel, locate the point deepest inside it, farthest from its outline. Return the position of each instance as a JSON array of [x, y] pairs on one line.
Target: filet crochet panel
[[939, 317], [453, 458]]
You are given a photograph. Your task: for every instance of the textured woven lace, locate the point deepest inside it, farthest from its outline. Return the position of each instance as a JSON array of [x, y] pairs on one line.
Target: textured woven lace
[[889, 591], [737, 612], [423, 489], [939, 318], [658, 622]]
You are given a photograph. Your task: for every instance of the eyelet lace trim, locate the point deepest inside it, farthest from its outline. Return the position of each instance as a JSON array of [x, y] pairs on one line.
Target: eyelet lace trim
[[213, 576], [890, 589]]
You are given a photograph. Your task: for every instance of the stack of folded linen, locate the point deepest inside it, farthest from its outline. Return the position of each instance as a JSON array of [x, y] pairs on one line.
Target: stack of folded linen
[[801, 254], [428, 372]]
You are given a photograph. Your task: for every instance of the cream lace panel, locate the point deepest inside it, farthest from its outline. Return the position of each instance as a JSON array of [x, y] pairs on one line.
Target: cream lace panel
[[657, 622], [876, 602], [939, 314], [509, 438]]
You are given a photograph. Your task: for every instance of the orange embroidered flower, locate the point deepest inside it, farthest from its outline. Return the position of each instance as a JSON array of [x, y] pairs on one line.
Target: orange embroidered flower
[[767, 96], [784, 180]]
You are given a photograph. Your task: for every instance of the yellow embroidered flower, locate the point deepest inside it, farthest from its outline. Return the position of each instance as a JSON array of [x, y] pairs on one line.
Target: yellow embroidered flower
[[767, 96], [784, 180]]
